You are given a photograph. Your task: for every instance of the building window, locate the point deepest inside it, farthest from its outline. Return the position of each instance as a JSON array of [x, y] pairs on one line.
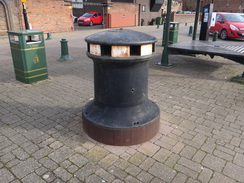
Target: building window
[[143, 8], [228, 3], [219, 3], [77, 4]]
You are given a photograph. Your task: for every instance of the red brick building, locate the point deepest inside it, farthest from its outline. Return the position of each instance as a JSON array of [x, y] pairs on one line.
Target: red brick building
[[126, 12], [44, 15], [235, 6], [54, 16]]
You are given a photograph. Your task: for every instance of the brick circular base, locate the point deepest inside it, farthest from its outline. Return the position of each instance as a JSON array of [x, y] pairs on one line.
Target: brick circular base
[[123, 136]]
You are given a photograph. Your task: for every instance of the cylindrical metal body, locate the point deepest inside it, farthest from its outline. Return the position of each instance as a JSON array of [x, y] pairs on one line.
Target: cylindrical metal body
[[121, 113], [49, 36], [64, 51], [190, 31], [120, 84], [196, 19], [215, 36], [27, 27]]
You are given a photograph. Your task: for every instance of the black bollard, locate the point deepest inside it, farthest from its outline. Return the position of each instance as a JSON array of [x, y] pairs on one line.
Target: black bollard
[[190, 31], [49, 36], [121, 113], [215, 36]]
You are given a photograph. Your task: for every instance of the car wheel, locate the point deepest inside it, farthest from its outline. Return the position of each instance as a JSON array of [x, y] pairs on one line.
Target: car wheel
[[223, 34], [91, 23]]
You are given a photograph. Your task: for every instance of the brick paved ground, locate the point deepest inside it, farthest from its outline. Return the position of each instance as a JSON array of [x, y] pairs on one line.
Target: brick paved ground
[[201, 138]]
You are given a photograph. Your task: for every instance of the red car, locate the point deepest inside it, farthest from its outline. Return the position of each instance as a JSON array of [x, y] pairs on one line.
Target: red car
[[90, 18], [228, 25]]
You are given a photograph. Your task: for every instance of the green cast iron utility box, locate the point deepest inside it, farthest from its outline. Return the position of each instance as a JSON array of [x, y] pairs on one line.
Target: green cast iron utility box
[[28, 54], [173, 32], [159, 20]]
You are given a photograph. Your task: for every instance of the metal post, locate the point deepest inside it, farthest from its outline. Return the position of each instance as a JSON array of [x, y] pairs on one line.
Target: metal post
[[64, 51], [196, 19], [27, 27], [190, 31], [49, 36], [165, 55], [103, 16], [215, 36]]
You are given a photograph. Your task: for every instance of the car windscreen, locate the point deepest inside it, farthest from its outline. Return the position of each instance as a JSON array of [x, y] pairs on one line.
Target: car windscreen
[[234, 18], [87, 15]]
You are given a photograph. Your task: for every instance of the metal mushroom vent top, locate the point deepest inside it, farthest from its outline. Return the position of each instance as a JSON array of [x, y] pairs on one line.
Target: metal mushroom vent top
[[121, 43]]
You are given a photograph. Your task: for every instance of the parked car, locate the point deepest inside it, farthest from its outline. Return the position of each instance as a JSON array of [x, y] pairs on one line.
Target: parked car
[[90, 18], [228, 25]]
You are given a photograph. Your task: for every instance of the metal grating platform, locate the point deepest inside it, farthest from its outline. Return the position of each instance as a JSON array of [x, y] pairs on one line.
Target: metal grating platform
[[239, 49], [232, 51]]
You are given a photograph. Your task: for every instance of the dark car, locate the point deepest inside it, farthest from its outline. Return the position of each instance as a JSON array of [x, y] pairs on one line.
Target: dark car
[[228, 25], [90, 18]]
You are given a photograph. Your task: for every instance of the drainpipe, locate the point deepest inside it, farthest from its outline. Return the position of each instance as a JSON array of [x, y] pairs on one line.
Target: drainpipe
[[25, 16]]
